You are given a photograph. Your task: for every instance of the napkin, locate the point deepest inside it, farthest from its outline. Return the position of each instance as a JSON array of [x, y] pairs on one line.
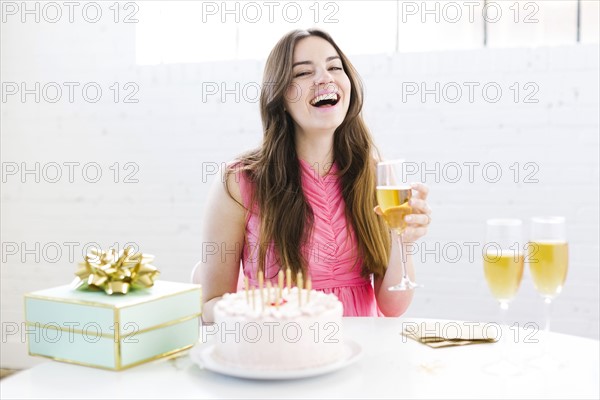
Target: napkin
[[448, 333]]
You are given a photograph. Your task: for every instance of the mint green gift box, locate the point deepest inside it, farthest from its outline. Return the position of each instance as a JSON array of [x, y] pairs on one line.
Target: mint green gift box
[[112, 332]]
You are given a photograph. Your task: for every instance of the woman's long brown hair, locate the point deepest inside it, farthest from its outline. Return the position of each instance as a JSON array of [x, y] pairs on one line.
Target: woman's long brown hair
[[286, 218]]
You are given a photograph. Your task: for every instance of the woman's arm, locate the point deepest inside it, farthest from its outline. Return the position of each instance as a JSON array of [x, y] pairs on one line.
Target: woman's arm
[[394, 304], [223, 227]]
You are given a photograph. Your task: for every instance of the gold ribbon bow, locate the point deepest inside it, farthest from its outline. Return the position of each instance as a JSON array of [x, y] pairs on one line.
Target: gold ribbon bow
[[115, 272]]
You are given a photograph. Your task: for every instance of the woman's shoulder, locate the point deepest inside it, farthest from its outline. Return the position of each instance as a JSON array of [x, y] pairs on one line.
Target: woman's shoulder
[[236, 176], [229, 179]]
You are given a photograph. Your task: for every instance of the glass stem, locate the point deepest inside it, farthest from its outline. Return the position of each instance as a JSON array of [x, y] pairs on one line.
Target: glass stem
[[503, 323], [547, 310], [402, 260]]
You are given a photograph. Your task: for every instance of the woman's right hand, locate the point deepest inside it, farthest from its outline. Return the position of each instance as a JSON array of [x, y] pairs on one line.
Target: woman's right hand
[[418, 221]]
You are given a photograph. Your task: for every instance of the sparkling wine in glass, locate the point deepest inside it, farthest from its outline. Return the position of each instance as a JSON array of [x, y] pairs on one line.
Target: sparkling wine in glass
[[503, 262], [548, 256], [503, 273], [393, 197], [548, 259]]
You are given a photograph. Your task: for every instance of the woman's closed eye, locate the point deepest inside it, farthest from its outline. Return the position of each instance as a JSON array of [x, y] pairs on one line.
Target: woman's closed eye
[[304, 73]]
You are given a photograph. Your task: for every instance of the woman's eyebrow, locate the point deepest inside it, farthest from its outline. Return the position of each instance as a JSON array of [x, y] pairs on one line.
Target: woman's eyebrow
[[310, 62]]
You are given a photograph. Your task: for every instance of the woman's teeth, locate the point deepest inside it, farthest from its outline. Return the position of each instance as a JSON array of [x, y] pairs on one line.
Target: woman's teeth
[[330, 99]]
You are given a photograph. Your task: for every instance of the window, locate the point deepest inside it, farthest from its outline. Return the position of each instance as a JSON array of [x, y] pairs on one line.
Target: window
[[192, 32]]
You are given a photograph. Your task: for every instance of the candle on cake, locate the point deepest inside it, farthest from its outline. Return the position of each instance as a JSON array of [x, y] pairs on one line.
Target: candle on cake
[[288, 279], [280, 283], [299, 283], [269, 289], [261, 281]]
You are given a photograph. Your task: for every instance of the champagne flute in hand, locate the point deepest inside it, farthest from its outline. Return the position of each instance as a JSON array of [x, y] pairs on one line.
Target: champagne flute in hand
[[393, 196]]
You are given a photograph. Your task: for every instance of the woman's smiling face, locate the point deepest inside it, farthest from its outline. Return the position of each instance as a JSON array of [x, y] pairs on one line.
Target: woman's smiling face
[[319, 95]]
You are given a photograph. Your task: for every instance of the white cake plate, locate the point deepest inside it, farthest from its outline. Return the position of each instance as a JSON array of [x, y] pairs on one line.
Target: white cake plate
[[204, 358]]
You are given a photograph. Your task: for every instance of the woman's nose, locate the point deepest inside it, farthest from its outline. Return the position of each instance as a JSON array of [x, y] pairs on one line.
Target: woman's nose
[[323, 77]]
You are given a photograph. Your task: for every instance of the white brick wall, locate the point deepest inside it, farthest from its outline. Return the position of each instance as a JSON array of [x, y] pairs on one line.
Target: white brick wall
[[173, 137]]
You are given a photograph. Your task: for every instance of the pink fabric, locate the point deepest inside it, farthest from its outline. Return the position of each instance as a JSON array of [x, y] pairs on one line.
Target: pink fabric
[[332, 248]]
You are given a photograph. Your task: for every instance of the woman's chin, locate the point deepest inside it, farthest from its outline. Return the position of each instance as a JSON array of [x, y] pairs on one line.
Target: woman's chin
[[328, 129], [330, 125]]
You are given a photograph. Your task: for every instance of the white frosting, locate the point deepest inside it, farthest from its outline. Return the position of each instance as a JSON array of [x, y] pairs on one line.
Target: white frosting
[[301, 333]]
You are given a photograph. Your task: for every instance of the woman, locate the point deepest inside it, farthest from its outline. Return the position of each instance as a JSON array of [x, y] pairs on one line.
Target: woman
[[306, 198]]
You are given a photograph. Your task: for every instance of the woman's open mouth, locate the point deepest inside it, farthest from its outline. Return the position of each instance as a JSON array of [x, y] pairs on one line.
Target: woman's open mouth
[[325, 100]]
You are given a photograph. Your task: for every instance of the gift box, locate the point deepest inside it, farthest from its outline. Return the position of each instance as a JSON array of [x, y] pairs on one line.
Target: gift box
[[112, 332]]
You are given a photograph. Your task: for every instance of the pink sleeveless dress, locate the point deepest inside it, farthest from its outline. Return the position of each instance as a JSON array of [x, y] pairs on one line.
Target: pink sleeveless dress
[[331, 250]]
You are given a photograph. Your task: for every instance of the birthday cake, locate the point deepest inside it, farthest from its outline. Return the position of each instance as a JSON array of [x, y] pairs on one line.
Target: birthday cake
[[281, 329]]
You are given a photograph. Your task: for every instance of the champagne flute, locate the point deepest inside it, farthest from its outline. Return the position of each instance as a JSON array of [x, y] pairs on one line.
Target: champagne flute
[[548, 259], [393, 197], [503, 262]]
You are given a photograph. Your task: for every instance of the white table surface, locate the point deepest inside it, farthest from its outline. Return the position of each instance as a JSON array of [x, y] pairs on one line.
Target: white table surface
[[390, 366]]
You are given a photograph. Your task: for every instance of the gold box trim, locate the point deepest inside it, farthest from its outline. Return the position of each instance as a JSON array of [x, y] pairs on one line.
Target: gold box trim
[[117, 334], [32, 295], [118, 367]]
